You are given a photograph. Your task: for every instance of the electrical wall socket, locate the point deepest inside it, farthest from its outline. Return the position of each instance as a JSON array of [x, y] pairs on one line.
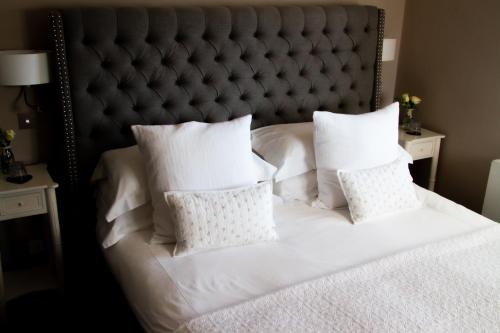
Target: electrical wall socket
[[26, 120]]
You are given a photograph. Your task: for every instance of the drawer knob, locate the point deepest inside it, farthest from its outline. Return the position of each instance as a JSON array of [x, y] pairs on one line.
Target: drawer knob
[[20, 204]]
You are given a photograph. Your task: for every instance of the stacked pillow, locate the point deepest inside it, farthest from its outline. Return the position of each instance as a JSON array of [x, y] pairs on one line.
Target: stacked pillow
[[330, 143], [193, 156], [344, 144], [187, 157], [344, 141], [290, 148]]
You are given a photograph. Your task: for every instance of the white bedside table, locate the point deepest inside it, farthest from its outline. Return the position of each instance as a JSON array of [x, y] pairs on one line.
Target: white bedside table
[[423, 146], [34, 197]]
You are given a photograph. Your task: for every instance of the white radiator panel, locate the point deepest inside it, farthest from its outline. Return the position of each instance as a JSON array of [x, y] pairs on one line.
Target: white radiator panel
[[491, 205]]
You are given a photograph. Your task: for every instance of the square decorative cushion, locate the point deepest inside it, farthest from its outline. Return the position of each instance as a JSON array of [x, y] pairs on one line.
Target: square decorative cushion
[[215, 219], [193, 156], [378, 191], [289, 147], [352, 142]]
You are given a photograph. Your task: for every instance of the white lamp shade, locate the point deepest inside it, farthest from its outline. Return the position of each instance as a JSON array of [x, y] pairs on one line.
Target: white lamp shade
[[389, 49], [23, 68]]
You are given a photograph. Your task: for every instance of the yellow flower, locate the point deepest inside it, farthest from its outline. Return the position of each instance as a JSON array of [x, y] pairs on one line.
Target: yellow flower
[[405, 98], [415, 100], [9, 135]]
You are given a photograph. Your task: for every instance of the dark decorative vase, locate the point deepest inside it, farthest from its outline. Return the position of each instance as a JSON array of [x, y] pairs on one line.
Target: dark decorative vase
[[6, 158]]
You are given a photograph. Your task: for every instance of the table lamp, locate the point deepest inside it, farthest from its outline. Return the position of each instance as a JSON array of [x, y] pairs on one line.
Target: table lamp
[[24, 68], [389, 49]]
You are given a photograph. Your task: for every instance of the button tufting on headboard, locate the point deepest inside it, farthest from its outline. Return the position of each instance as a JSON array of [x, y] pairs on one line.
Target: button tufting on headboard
[[168, 65]]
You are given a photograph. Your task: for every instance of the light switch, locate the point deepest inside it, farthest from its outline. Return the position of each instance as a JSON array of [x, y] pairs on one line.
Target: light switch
[[26, 120]]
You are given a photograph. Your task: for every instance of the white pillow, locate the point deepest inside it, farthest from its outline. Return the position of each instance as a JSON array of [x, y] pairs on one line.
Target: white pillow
[[124, 181], [352, 142], [214, 219], [289, 147], [299, 188], [378, 191], [110, 233], [264, 170], [194, 156], [404, 155]]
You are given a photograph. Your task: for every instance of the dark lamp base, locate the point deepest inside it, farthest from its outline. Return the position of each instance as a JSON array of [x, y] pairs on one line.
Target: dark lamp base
[[19, 179]]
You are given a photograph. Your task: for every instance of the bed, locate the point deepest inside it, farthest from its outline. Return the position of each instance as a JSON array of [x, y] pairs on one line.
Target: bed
[[214, 280], [149, 66]]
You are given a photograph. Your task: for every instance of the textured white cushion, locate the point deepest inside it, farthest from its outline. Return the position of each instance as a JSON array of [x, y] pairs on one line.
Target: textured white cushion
[[194, 156], [378, 191], [303, 188], [289, 147], [352, 142], [214, 219]]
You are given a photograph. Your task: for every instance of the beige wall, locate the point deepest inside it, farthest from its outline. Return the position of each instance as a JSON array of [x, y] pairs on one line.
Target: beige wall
[[23, 25], [451, 57]]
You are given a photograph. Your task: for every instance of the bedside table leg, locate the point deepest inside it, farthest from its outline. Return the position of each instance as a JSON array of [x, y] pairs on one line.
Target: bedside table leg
[[435, 157], [56, 235], [2, 295]]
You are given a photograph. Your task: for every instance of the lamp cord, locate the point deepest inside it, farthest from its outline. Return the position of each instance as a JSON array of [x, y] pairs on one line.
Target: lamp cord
[[24, 92], [18, 97]]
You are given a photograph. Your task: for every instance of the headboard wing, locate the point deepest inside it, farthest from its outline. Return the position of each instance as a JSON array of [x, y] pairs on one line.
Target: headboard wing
[[118, 67]]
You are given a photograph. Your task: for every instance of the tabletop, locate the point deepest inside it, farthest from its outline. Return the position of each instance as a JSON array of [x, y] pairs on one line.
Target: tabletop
[[41, 180], [426, 134]]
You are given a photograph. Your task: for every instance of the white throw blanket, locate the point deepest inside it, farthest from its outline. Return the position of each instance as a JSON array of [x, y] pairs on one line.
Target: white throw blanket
[[450, 286]]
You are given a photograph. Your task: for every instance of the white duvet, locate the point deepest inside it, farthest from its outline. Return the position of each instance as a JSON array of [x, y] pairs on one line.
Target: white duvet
[[166, 292]]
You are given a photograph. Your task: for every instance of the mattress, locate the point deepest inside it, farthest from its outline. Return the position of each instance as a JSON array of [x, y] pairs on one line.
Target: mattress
[[164, 291]]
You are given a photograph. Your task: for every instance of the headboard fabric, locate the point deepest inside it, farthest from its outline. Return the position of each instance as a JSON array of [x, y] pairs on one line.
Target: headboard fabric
[[122, 66]]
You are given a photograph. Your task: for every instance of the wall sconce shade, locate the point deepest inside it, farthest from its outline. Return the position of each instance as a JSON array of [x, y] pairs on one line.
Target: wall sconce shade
[[23, 67], [389, 49]]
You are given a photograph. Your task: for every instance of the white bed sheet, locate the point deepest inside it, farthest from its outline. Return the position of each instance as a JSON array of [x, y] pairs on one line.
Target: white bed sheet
[[164, 291]]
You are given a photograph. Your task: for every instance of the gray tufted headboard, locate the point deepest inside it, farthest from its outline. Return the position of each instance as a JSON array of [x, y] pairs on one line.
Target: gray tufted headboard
[[118, 67]]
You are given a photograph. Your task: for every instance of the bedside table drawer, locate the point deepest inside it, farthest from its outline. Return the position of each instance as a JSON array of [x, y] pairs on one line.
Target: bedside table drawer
[[23, 204], [421, 150]]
